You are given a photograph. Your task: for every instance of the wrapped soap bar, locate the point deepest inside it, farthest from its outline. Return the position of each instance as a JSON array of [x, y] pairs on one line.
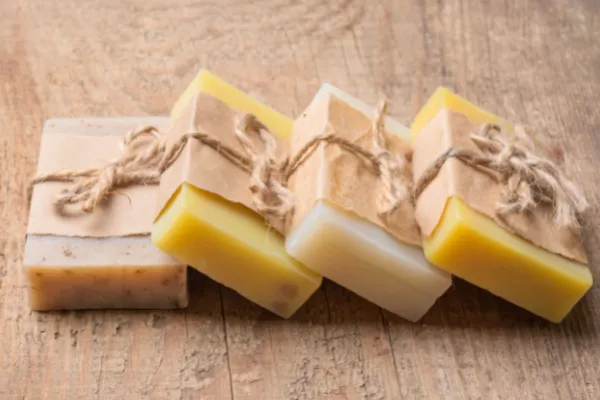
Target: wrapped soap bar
[[338, 229], [103, 259], [494, 213], [208, 217]]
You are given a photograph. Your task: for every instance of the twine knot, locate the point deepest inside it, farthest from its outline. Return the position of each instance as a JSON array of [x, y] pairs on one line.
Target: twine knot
[[141, 150], [389, 169], [530, 181], [272, 198], [396, 188]]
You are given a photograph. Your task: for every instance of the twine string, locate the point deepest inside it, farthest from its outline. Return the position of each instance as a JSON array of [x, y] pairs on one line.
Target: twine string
[[396, 188], [272, 198], [145, 155], [529, 180]]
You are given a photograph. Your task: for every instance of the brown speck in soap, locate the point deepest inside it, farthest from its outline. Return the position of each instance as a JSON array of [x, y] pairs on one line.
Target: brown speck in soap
[[67, 252], [289, 290], [138, 271], [128, 292], [68, 272], [38, 274], [165, 282]]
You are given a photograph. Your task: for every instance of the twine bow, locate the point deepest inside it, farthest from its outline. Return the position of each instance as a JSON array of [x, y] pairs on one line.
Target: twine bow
[[530, 180], [272, 198], [137, 165]]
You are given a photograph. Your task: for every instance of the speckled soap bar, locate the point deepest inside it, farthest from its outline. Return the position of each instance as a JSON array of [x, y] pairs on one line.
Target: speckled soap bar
[[67, 272]]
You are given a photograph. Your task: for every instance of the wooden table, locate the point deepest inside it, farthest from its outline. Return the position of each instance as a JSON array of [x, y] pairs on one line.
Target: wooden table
[[533, 61]]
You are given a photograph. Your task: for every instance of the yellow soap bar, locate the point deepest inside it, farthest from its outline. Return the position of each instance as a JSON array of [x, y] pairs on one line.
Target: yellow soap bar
[[475, 248], [207, 82], [227, 241], [443, 98]]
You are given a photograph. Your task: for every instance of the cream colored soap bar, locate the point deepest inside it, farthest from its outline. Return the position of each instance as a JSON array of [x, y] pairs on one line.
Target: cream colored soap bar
[[100, 272], [359, 254]]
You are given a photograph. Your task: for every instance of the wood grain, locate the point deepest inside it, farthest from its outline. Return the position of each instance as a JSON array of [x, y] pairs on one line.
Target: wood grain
[[529, 60]]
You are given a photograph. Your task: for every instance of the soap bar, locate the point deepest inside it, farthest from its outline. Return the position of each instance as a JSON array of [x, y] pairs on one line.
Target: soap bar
[[207, 219], [206, 82], [338, 243], [82, 261], [529, 262], [443, 98]]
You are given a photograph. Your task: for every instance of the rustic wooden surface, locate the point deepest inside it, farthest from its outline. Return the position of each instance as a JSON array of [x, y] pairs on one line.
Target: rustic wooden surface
[[530, 60]]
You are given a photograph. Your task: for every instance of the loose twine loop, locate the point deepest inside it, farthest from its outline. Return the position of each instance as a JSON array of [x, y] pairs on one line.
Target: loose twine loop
[[530, 181], [145, 156]]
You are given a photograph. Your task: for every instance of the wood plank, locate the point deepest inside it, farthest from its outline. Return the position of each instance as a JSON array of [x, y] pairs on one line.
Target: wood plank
[[537, 62]]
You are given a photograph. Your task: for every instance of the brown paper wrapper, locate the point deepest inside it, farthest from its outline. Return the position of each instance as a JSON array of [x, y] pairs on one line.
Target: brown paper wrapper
[[479, 190], [203, 167], [341, 178], [90, 143]]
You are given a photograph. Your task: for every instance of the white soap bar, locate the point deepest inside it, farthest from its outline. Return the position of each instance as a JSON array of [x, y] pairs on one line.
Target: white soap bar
[[391, 125], [362, 256]]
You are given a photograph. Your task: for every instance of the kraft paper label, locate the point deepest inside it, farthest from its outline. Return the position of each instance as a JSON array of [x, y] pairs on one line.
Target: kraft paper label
[[450, 129], [90, 143]]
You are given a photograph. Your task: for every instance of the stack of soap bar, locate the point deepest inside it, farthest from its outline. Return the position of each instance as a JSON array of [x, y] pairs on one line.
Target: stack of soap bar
[[222, 238], [476, 248], [85, 272], [356, 253]]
